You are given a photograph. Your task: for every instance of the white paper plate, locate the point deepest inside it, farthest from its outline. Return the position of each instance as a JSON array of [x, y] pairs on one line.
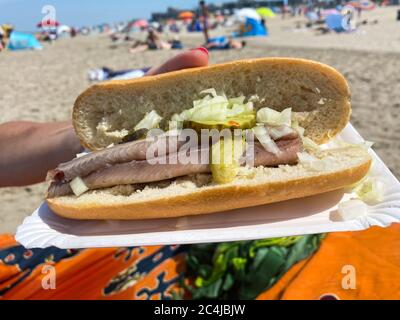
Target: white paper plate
[[294, 217]]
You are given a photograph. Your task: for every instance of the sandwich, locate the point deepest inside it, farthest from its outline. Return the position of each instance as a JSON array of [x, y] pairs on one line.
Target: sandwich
[[208, 139]]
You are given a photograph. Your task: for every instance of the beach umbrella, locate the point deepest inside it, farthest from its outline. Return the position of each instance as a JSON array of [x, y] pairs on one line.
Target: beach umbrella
[[142, 23], [244, 13], [186, 15], [48, 23], [364, 5], [265, 12]]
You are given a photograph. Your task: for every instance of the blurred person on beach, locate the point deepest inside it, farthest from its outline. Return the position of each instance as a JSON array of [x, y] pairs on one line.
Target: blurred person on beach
[[153, 42], [359, 11], [204, 15], [225, 44], [284, 9], [219, 43], [173, 27], [5, 34], [73, 32], [2, 44], [264, 23]]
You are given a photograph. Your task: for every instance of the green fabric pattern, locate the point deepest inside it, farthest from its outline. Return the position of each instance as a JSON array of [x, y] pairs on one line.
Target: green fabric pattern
[[242, 270]]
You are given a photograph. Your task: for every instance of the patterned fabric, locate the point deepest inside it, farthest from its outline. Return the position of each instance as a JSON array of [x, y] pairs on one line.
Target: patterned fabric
[[19, 263], [115, 273]]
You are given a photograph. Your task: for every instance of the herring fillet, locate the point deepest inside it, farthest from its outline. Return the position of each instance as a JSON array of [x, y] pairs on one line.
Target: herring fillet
[[136, 172], [136, 150]]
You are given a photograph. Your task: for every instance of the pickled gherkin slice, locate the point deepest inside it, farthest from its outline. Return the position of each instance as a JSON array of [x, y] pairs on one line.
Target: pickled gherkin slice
[[224, 159], [244, 121]]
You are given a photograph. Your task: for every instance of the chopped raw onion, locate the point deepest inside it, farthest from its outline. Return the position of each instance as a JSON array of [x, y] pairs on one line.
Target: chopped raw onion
[[296, 126], [263, 136], [211, 91], [214, 107], [254, 98], [83, 153], [370, 190], [309, 144], [275, 118], [78, 186], [277, 132], [351, 209], [305, 157], [150, 121], [367, 144], [238, 100], [238, 109], [175, 125]]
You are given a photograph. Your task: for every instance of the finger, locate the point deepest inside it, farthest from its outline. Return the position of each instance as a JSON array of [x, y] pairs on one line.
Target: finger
[[190, 59]]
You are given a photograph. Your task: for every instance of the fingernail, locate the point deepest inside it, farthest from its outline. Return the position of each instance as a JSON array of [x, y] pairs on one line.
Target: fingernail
[[202, 49]]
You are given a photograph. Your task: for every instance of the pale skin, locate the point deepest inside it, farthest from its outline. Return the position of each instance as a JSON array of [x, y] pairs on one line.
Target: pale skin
[[29, 149]]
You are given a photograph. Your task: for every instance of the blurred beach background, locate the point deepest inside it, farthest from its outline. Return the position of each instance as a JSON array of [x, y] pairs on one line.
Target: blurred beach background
[[41, 85]]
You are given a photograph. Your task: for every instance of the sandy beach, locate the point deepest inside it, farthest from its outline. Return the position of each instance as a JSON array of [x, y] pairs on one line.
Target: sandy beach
[[42, 85]]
